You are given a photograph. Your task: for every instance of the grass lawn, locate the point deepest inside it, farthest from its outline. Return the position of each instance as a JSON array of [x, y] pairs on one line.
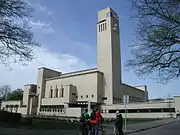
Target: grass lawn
[[57, 124]]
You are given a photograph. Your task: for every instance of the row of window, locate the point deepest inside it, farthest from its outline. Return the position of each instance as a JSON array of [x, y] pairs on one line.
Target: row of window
[[117, 99], [52, 108], [134, 99], [87, 96], [60, 93], [11, 109], [151, 110], [102, 27], [12, 106], [131, 99], [57, 93]]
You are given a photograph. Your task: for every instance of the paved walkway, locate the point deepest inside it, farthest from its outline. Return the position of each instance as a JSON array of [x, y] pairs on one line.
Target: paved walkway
[[130, 129], [147, 125], [170, 129]]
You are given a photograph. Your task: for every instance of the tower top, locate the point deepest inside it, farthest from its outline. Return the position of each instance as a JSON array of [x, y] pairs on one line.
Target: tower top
[[107, 12]]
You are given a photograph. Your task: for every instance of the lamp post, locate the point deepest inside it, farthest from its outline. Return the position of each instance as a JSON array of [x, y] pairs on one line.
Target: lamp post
[[89, 106], [125, 119], [169, 105], [126, 101]]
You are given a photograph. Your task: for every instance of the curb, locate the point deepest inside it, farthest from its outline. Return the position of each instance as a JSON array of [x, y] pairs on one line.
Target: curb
[[149, 128]]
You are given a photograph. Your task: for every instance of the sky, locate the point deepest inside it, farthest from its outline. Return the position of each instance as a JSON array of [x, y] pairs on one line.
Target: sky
[[66, 30]]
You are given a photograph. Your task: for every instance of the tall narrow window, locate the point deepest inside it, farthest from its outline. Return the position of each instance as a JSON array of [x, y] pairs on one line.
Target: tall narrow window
[[99, 28], [56, 93], [62, 92], [51, 93], [104, 26]]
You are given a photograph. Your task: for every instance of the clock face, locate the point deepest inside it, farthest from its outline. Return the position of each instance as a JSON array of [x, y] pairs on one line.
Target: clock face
[[109, 14]]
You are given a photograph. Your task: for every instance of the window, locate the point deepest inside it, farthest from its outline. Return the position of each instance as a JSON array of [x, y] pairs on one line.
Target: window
[[74, 94], [104, 98], [144, 110], [23, 105], [102, 26], [168, 109], [53, 110], [155, 110], [62, 92], [92, 96], [81, 96], [51, 93], [56, 93], [112, 111], [49, 109], [86, 96]]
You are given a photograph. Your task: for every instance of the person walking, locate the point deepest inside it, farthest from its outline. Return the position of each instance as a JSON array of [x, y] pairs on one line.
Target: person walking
[[96, 123], [85, 122], [178, 114], [93, 122], [119, 124]]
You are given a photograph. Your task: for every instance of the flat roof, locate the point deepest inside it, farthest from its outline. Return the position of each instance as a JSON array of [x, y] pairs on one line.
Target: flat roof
[[49, 69], [30, 84], [75, 73], [132, 87], [144, 103]]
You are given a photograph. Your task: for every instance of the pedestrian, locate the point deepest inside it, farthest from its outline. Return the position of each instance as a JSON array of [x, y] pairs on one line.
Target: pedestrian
[[97, 122], [115, 132], [118, 128], [85, 122], [93, 122], [178, 114]]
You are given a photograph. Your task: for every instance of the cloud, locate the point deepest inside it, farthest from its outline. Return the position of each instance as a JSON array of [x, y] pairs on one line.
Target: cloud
[[39, 7], [39, 26], [21, 75], [44, 9]]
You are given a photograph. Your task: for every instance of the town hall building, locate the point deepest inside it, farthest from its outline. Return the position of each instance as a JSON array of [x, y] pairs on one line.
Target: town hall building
[[59, 94]]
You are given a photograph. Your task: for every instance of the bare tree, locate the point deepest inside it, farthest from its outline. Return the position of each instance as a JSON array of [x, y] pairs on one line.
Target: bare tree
[[4, 90], [16, 39], [157, 50]]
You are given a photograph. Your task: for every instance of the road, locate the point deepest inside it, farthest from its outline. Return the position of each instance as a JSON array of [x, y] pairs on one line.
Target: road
[[171, 129]]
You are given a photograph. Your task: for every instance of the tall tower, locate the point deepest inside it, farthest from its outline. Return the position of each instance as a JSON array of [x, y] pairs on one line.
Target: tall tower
[[108, 54]]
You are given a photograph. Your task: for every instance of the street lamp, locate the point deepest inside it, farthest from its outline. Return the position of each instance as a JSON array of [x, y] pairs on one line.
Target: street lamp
[[126, 101]]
